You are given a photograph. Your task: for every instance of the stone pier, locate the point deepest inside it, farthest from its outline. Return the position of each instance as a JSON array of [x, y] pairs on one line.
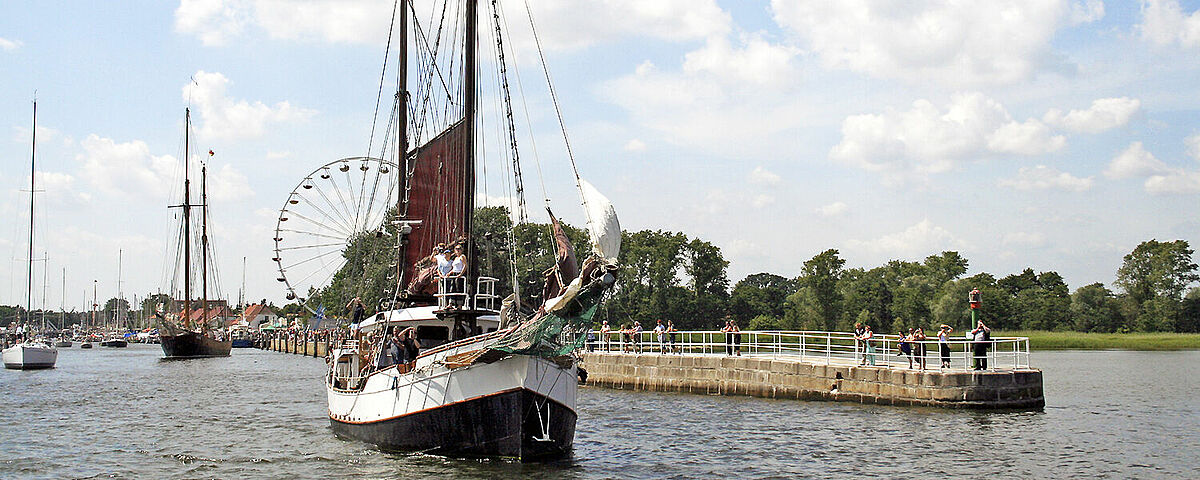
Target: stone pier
[[784, 377]]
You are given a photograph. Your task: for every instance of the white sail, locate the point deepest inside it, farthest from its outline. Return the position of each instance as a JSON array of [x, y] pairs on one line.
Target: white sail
[[603, 227]]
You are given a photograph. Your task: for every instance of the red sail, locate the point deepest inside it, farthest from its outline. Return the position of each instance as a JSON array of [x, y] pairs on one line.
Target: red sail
[[438, 196]]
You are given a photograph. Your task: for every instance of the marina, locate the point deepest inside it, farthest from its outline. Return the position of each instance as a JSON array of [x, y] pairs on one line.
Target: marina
[[859, 238]]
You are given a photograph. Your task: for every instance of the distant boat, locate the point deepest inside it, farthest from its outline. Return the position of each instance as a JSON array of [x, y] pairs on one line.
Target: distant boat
[[183, 336], [114, 342], [33, 353]]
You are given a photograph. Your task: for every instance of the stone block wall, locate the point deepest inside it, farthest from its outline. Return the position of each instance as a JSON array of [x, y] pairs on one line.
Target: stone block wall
[[789, 378]]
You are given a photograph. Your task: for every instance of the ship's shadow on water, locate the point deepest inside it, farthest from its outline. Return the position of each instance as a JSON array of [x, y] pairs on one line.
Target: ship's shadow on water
[[123, 413]]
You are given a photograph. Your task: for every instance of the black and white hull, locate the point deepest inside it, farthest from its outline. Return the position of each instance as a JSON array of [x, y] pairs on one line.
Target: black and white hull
[[30, 356], [519, 407]]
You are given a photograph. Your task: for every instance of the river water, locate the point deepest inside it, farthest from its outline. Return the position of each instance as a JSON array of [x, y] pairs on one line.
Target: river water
[[123, 413]]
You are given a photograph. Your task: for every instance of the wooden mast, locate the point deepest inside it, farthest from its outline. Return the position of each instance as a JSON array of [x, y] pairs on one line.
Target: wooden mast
[[469, 67], [187, 220], [204, 247], [402, 144]]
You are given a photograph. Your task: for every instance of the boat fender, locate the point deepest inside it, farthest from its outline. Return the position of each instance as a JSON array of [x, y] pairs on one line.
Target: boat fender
[[582, 375]]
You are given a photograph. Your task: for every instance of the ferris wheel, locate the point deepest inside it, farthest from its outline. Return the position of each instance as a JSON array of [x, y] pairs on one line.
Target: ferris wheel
[[323, 214]]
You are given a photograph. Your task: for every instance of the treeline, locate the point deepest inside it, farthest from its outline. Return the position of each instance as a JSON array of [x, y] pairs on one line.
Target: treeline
[[671, 276]]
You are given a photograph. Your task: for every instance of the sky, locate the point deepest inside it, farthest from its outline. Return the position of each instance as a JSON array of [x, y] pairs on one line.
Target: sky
[[1048, 134]]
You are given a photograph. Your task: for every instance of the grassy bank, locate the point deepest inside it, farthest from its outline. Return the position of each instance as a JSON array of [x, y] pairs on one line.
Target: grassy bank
[[1045, 340]]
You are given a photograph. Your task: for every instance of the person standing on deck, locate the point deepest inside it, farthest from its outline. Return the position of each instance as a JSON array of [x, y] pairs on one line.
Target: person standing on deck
[[728, 331], [458, 268], [869, 349], [635, 334], [860, 347], [918, 347], [671, 336], [604, 330], [357, 310]]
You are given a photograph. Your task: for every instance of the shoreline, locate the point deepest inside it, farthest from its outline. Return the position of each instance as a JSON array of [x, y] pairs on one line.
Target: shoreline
[[1043, 340]]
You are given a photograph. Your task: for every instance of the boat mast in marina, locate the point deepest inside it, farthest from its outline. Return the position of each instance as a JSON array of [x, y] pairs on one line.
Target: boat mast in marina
[[32, 353]]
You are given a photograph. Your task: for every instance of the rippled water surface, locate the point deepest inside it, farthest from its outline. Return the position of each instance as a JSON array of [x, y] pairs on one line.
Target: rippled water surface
[[123, 413]]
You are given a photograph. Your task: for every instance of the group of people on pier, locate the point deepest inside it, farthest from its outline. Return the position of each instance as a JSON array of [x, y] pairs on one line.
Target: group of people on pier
[[912, 344]]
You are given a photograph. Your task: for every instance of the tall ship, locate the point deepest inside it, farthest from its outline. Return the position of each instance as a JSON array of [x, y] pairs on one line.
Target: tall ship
[[435, 360], [31, 352], [193, 328]]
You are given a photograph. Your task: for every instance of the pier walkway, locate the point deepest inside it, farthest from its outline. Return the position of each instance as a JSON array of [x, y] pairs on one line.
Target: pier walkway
[[821, 366]]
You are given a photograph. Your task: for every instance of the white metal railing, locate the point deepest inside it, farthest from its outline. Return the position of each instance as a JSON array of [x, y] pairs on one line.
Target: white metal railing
[[452, 291], [999, 353]]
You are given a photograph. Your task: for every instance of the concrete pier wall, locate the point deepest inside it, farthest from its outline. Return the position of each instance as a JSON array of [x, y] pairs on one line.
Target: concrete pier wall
[[783, 377]]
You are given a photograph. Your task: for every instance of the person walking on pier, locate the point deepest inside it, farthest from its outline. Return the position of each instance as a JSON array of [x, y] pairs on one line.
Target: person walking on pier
[[944, 343], [982, 336]]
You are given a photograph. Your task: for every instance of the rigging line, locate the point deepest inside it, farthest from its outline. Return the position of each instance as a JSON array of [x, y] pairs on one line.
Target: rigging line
[[537, 161], [324, 267], [432, 53], [512, 129], [350, 193], [382, 76], [553, 94]]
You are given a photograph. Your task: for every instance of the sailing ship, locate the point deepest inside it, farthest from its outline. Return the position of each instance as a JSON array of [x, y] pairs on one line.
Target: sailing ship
[[492, 381], [190, 334], [114, 338], [32, 353]]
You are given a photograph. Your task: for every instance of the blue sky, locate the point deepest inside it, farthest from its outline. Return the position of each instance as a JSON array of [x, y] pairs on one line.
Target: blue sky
[[1050, 134]]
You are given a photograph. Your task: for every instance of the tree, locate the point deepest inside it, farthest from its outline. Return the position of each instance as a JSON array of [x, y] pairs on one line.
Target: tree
[[945, 267], [760, 295], [1094, 309], [1157, 269], [818, 303], [1189, 317]]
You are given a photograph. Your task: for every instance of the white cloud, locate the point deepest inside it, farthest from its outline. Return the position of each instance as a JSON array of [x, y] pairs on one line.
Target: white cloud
[[927, 139], [1042, 177], [9, 45], [958, 42], [1104, 114], [562, 24], [278, 155], [1135, 161], [1193, 146], [834, 209], [1178, 182], [1028, 138], [127, 169], [1087, 12], [226, 118], [61, 189], [1165, 23], [635, 145], [762, 200], [1024, 239], [227, 184], [916, 241], [753, 61], [762, 176], [215, 21], [1161, 179]]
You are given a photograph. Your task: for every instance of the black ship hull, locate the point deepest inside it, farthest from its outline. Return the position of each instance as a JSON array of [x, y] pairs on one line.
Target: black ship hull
[[193, 345], [505, 424]]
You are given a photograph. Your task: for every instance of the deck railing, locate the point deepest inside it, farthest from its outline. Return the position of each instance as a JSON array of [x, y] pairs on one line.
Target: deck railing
[[1000, 353]]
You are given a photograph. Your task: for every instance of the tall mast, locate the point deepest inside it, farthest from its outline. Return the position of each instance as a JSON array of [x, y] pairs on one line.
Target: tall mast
[[45, 274], [120, 293], [187, 220], [32, 174], [469, 67], [402, 139], [204, 246], [94, 304], [62, 306]]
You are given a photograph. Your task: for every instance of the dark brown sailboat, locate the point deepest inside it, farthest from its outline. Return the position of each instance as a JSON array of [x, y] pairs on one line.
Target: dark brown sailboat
[[191, 333]]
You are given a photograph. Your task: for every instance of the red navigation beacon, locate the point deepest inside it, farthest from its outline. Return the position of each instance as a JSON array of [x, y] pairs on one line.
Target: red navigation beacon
[[973, 297]]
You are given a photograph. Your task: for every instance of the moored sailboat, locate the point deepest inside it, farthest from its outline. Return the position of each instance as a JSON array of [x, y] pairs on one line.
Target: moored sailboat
[[31, 353], [493, 382], [189, 334]]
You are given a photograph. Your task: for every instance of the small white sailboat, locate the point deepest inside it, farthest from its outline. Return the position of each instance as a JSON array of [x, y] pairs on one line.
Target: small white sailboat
[[33, 353]]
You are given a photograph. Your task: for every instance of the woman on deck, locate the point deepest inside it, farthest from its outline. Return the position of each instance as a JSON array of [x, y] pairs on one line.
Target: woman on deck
[[944, 343]]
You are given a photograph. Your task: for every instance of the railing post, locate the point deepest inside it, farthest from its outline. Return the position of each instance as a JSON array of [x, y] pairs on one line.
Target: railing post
[[828, 346]]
